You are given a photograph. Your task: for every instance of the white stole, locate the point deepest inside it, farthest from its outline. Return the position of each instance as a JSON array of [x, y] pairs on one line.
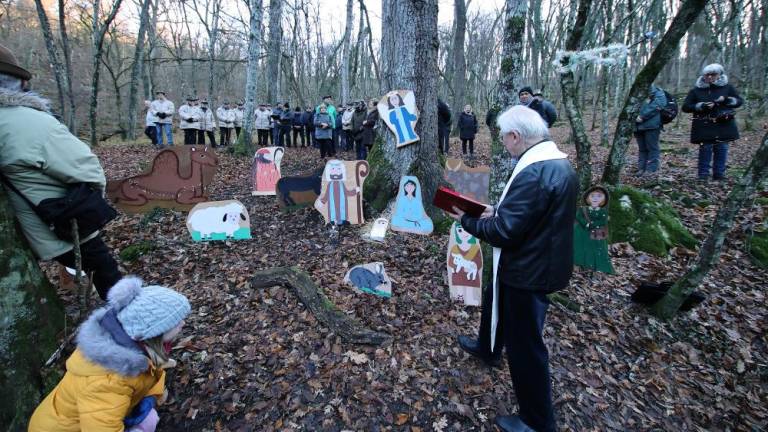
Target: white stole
[[544, 151]]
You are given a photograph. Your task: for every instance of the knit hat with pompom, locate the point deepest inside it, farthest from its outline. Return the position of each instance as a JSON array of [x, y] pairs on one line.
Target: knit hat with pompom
[[149, 311]]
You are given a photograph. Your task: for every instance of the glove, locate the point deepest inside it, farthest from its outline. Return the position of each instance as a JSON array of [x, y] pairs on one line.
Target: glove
[[190, 120], [149, 424], [140, 412]]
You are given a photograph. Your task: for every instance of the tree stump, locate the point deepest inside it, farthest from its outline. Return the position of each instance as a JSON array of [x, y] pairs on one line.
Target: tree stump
[[313, 297]]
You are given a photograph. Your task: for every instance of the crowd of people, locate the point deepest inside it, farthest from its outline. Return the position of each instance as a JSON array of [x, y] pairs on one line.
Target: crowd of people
[[116, 375]]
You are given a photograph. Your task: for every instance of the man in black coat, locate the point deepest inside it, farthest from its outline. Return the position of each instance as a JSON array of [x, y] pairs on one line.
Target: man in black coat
[[443, 125], [531, 231], [712, 102], [536, 102]]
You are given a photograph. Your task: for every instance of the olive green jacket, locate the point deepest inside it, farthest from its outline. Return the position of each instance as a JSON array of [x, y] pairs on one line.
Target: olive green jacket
[[40, 157]]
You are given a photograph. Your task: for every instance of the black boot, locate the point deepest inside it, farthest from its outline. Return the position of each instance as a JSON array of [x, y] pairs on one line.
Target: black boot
[[472, 347], [512, 424]]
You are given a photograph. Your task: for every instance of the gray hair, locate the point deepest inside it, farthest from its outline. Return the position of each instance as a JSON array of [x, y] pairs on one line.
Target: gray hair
[[713, 68], [524, 121], [10, 82]]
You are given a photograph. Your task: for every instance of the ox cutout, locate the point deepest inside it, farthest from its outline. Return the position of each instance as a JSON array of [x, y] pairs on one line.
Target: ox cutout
[[219, 220], [379, 230], [370, 278], [341, 201], [178, 179], [470, 182], [398, 110], [265, 171], [409, 213], [301, 191], [465, 266]]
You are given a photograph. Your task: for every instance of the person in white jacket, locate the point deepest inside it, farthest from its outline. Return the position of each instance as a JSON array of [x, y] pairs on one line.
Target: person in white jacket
[[189, 120], [226, 117], [239, 112], [263, 117], [207, 124], [150, 128], [163, 109]]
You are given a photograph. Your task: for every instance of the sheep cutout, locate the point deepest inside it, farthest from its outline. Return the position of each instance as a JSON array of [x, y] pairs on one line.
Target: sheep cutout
[[219, 220], [370, 278], [465, 266]]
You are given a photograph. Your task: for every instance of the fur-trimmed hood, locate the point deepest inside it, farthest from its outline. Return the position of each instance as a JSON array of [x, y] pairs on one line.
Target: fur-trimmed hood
[[722, 80], [12, 99], [98, 346]]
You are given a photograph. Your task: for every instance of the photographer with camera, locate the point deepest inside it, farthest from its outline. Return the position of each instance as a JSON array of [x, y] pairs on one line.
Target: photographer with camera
[[163, 110], [713, 102]]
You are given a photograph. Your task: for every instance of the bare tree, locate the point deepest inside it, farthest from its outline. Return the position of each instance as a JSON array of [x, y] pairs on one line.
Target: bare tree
[[459, 60], [252, 72], [273, 49], [53, 55], [138, 66], [345, 54]]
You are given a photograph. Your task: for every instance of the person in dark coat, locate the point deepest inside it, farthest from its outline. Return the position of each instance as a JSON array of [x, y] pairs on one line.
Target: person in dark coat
[[309, 126], [356, 133], [298, 126], [274, 137], [338, 145], [547, 110], [444, 121], [529, 229], [467, 130], [647, 131], [369, 124], [286, 124], [712, 102]]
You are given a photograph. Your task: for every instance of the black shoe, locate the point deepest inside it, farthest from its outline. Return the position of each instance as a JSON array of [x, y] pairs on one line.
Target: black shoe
[[511, 424], [719, 178], [472, 347]]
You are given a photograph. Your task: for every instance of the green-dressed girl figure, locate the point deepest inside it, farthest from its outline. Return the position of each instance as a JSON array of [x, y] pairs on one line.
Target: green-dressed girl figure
[[590, 232]]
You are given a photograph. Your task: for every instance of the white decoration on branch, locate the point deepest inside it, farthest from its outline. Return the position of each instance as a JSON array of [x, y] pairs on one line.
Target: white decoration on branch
[[611, 55]]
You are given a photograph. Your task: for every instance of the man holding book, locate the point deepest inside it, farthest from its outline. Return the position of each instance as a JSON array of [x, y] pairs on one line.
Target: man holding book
[[531, 231]]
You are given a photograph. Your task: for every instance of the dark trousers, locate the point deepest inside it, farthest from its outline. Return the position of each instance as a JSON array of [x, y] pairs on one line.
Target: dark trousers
[[443, 135], [326, 147], [298, 132], [263, 135], [151, 133], [648, 150], [224, 134], [361, 149], [237, 131], [346, 139], [521, 323], [190, 136], [471, 143], [274, 136], [706, 150], [309, 136], [201, 137], [96, 258], [285, 136], [336, 138]]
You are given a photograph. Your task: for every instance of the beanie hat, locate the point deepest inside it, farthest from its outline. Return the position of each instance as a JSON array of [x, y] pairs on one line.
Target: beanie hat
[[10, 66], [526, 89], [149, 311]]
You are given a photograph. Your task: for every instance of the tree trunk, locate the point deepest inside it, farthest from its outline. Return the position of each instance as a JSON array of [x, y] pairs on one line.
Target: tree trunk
[[459, 60], [273, 49], [138, 66], [315, 300], [713, 245], [71, 119], [370, 46], [686, 15], [252, 73], [510, 78], [50, 46], [409, 58], [764, 43], [99, 31], [570, 98], [32, 317], [345, 54]]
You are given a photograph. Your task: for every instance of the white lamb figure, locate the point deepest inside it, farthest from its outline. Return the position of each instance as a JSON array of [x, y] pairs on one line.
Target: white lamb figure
[[224, 219], [463, 264]]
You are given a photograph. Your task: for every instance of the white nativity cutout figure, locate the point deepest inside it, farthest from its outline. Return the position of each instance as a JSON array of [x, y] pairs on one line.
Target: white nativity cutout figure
[[398, 110]]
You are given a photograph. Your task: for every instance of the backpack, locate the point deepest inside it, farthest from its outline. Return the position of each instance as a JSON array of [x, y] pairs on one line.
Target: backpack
[[669, 112]]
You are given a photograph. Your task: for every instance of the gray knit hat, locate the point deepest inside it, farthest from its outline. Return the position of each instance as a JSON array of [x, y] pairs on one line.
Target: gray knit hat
[[149, 311]]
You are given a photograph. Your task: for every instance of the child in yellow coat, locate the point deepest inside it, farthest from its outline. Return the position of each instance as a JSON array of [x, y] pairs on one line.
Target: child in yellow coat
[[116, 374]]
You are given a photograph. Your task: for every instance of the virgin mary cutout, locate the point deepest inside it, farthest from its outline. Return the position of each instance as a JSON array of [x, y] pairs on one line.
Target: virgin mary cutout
[[265, 171], [409, 210], [398, 110]]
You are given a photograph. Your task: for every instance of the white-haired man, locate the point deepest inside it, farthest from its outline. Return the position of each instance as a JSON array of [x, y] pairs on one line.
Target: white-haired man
[[43, 162], [531, 231]]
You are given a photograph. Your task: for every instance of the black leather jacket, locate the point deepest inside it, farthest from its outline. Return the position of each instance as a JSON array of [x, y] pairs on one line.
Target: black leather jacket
[[534, 227]]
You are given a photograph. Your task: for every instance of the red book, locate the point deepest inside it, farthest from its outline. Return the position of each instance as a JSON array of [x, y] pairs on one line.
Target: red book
[[446, 199]]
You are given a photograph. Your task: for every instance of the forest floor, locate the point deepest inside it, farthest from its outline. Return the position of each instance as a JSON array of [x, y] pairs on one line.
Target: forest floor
[[257, 360]]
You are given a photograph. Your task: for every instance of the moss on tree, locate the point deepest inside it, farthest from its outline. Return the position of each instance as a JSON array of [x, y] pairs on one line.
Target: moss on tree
[[645, 222], [758, 248]]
